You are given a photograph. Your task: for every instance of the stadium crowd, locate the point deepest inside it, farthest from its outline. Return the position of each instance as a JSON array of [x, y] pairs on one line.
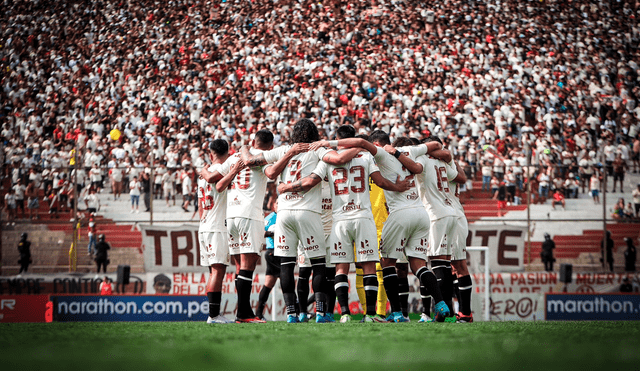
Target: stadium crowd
[[133, 85]]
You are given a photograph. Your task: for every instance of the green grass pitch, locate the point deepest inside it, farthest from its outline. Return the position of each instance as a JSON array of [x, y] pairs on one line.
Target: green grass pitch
[[352, 346]]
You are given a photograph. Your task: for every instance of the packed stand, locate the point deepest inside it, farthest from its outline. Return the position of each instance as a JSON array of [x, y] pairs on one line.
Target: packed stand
[[545, 92]]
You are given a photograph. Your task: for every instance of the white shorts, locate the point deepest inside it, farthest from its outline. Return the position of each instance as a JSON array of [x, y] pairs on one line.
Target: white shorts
[[440, 235], [214, 248], [405, 233], [360, 232], [459, 239], [302, 227], [246, 236], [304, 260]]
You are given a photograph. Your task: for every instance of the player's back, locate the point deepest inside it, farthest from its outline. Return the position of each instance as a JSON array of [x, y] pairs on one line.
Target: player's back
[[247, 190], [213, 205], [390, 168], [300, 166], [433, 187], [349, 186]]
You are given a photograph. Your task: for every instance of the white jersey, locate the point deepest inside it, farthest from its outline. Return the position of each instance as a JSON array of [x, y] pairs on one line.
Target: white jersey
[[433, 187], [213, 205], [455, 198], [247, 190], [349, 184], [391, 168], [300, 166], [327, 208]]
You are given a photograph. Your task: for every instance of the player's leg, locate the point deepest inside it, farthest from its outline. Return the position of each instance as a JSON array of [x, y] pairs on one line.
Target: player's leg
[[271, 276], [440, 255], [312, 241], [286, 247], [303, 292], [342, 290], [403, 287], [381, 304], [364, 236], [251, 242], [425, 296], [465, 286], [429, 281], [214, 253], [330, 290], [360, 286], [390, 277]]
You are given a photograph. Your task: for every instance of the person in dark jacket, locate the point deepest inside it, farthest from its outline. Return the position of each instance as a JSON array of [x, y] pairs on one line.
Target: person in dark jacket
[[630, 255], [606, 249], [24, 248], [547, 253], [101, 253]]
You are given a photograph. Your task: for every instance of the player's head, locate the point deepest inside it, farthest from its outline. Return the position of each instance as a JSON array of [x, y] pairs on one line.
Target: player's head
[[304, 131], [380, 138], [415, 141], [403, 142], [363, 136], [345, 131], [433, 138], [219, 147], [263, 139]]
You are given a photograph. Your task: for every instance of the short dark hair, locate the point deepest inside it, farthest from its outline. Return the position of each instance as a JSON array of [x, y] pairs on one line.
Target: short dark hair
[[345, 131], [264, 137], [403, 142], [433, 138], [380, 137], [219, 146], [304, 131]]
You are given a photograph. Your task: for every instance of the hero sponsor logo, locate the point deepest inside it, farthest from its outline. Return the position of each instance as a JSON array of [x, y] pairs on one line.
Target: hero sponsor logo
[[365, 248], [338, 246]]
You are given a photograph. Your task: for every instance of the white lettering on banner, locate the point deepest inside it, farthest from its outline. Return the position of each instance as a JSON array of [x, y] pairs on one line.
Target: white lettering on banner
[[505, 242]]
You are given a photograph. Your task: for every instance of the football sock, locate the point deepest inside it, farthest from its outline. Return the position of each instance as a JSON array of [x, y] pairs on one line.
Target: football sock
[[370, 283], [381, 306], [390, 278], [465, 286], [245, 280], [439, 267], [262, 300], [342, 292], [329, 289], [447, 293], [287, 283], [319, 267], [426, 300], [214, 299], [303, 288], [456, 292], [360, 288], [430, 283], [403, 295]]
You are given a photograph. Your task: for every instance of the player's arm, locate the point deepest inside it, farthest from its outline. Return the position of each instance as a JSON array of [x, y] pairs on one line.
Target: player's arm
[[335, 158], [273, 171], [442, 154], [252, 160], [461, 178], [210, 177], [301, 185], [224, 182], [406, 161], [384, 183], [347, 143]]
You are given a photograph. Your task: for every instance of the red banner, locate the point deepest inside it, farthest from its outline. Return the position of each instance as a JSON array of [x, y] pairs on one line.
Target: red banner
[[25, 308]]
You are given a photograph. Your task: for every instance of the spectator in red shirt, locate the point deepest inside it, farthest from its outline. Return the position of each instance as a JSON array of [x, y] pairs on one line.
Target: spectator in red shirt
[[105, 287], [558, 198]]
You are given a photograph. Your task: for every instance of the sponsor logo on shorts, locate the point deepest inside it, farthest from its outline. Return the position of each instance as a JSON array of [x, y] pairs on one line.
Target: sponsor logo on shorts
[[311, 248], [339, 253], [282, 247], [399, 249], [421, 249]]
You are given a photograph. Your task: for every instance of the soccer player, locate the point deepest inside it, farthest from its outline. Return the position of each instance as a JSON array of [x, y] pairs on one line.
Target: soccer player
[[435, 193], [212, 233], [352, 220], [299, 220], [214, 248], [406, 231]]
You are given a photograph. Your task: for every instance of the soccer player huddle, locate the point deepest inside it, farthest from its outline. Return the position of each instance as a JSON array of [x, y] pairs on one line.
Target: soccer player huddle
[[325, 223]]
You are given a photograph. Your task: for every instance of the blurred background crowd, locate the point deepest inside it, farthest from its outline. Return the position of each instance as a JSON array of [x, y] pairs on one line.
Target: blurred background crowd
[[544, 92]]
